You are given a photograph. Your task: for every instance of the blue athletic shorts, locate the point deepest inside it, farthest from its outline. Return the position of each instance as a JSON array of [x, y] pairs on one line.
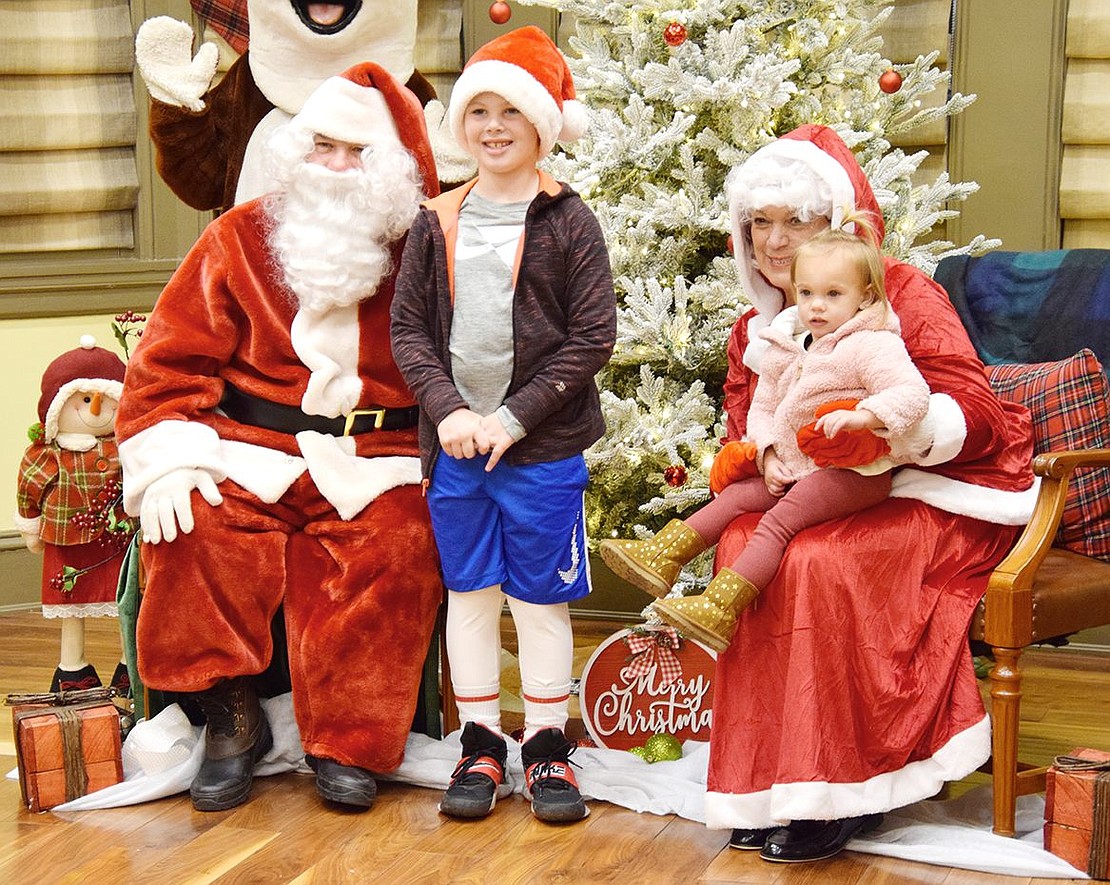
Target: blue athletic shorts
[[522, 526]]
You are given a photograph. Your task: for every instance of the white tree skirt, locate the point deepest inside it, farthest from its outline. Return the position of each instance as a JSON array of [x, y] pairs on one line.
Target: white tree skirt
[[161, 757]]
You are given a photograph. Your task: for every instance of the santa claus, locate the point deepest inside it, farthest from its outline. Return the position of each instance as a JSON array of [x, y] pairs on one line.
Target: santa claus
[[269, 447]]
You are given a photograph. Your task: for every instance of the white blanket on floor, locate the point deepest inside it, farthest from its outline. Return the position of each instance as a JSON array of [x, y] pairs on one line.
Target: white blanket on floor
[[161, 756]]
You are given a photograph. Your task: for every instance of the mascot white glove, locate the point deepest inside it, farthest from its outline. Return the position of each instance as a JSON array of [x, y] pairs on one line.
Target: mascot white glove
[[167, 505], [164, 54], [453, 164]]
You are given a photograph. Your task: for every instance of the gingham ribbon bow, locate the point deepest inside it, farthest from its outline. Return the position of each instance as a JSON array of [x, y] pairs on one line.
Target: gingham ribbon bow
[[654, 647]]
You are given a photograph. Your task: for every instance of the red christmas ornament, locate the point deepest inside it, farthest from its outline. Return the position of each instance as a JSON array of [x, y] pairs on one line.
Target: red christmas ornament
[[890, 81], [731, 246], [674, 34], [500, 12], [675, 475]]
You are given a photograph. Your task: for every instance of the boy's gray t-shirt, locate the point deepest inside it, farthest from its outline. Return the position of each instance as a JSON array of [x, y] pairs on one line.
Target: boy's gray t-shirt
[[482, 327]]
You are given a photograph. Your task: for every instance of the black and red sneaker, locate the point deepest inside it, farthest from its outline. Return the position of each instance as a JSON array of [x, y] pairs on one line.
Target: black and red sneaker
[[479, 779], [75, 680], [548, 778]]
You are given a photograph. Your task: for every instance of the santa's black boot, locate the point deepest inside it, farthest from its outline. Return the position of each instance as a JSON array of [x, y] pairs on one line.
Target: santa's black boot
[[236, 738]]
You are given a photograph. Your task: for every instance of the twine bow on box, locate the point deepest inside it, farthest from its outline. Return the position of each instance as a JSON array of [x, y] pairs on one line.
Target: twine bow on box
[[62, 698], [1078, 763], [653, 647]]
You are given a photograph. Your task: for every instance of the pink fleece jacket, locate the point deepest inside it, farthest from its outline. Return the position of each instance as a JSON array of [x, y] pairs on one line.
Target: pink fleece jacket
[[864, 359]]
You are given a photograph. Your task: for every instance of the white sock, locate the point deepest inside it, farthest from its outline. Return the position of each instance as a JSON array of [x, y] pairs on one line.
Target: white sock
[[546, 649], [474, 652]]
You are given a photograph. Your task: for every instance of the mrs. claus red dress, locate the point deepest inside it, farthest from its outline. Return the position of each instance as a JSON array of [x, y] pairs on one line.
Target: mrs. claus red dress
[[848, 687]]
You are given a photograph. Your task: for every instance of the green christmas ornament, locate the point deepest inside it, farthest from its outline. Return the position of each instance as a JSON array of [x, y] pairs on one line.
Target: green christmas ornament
[[663, 748]]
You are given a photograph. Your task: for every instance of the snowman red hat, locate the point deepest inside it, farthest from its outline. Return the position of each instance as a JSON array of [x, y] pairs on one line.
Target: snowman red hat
[[85, 369], [526, 68], [366, 105]]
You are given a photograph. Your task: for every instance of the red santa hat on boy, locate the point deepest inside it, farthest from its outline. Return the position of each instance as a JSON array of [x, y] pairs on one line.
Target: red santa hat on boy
[[366, 105], [86, 369], [526, 68]]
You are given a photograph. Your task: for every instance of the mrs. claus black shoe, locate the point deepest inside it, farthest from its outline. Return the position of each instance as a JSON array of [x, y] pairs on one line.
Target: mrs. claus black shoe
[[749, 840], [808, 840]]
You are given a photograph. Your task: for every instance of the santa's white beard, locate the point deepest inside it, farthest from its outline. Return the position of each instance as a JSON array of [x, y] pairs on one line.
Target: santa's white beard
[[333, 230]]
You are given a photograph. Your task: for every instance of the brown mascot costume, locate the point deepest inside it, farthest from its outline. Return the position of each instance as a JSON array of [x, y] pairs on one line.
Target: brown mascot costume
[[209, 140], [269, 448]]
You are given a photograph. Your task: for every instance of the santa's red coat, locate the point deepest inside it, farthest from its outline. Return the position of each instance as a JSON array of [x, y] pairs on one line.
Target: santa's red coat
[[360, 591]]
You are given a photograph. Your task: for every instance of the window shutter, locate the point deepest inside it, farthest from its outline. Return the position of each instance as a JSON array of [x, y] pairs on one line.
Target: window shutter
[[1085, 130], [68, 179], [918, 27]]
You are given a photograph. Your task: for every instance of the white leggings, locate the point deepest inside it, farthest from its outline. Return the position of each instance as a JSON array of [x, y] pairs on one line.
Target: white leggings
[[545, 645]]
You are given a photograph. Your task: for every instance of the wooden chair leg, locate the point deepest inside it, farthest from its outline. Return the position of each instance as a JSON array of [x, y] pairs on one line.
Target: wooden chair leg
[[1005, 681]]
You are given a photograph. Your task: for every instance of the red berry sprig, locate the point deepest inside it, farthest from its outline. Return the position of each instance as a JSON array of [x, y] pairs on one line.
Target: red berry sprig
[[128, 325]]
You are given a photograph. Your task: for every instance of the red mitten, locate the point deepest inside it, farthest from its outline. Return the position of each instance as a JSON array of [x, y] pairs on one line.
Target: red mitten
[[849, 448], [736, 460]]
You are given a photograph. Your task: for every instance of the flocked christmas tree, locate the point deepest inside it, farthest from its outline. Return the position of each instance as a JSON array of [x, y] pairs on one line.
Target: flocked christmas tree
[[681, 92]]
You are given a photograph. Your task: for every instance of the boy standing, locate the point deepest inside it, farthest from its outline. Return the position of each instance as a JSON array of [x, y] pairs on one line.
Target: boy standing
[[504, 313]]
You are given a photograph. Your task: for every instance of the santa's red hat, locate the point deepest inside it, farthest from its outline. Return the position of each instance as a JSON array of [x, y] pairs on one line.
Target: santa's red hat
[[366, 105], [85, 369], [525, 68]]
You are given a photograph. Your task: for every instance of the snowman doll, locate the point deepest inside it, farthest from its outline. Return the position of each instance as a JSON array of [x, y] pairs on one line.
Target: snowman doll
[[69, 503]]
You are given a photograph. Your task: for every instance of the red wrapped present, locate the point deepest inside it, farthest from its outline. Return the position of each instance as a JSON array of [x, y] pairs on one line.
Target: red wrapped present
[[66, 751], [1077, 811]]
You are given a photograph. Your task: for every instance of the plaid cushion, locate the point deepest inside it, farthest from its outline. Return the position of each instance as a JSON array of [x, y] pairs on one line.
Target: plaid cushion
[[1069, 402]]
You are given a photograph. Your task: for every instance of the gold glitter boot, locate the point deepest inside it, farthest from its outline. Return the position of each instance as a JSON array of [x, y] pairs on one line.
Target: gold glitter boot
[[710, 618], [653, 565]]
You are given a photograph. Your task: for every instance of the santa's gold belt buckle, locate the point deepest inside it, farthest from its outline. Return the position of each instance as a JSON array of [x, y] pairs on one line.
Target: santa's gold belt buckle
[[379, 417]]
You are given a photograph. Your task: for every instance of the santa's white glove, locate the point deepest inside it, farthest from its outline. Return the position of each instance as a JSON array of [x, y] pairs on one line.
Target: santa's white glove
[[167, 505], [164, 54], [453, 164]]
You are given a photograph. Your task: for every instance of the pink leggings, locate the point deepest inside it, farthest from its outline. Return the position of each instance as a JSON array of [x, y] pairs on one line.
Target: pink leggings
[[818, 497]]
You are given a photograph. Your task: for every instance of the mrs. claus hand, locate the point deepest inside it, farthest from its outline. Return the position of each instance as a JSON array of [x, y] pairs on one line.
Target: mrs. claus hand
[[849, 448], [736, 460]]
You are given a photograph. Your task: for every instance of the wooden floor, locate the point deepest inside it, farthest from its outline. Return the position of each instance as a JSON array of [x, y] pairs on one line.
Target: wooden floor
[[284, 834]]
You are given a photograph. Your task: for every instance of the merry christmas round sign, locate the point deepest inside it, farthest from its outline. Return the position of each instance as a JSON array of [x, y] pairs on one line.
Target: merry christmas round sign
[[647, 681]]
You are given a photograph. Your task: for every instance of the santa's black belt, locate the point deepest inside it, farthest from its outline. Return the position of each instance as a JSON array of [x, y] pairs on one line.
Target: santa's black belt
[[248, 409]]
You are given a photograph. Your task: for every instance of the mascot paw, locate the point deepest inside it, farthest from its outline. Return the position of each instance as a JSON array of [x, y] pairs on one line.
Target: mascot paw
[[164, 54], [453, 164]]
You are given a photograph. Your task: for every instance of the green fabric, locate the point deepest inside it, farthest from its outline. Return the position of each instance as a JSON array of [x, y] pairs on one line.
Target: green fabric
[[128, 597]]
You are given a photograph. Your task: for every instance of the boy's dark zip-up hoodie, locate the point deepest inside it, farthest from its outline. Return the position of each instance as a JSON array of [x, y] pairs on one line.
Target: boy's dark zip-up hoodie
[[564, 323]]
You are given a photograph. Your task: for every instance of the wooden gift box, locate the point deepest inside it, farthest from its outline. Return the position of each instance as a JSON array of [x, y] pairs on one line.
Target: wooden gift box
[[67, 751], [1077, 811]]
